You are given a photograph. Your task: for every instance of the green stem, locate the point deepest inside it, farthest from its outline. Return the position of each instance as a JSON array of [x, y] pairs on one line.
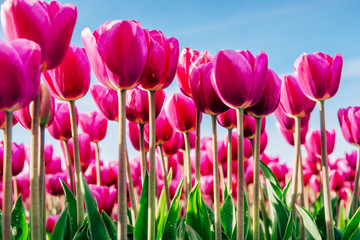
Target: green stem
[[300, 175], [229, 160], [216, 181], [7, 174], [355, 197], [15, 186], [97, 161], [241, 175], [68, 159], [256, 206], [143, 164], [165, 174], [296, 167], [188, 164], [152, 170], [42, 182], [75, 138], [325, 175], [197, 146], [131, 187], [34, 172], [122, 202]]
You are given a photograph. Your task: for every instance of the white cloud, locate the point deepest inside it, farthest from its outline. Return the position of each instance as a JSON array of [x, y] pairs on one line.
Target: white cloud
[[351, 68]]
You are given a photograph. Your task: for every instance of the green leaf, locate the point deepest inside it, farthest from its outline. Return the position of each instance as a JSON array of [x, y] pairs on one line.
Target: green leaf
[[19, 226], [246, 221], [71, 202], [318, 204], [227, 215], [82, 232], [192, 234], [162, 211], [342, 217], [180, 232], [96, 225], [355, 235], [169, 229], [352, 226], [130, 232], [285, 191], [140, 230], [129, 215], [289, 228], [197, 215], [338, 233], [267, 173], [110, 226], [320, 218], [61, 230], [309, 223]]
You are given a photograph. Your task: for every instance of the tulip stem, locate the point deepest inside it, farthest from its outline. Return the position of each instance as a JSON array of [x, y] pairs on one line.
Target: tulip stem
[[131, 187], [34, 172], [294, 189], [97, 160], [187, 164], [152, 170], [355, 197], [197, 146], [301, 191], [240, 175], [7, 174], [256, 206], [216, 181], [15, 186], [229, 160], [68, 159], [165, 174], [325, 175], [122, 202], [264, 215], [143, 164], [75, 138], [42, 182]]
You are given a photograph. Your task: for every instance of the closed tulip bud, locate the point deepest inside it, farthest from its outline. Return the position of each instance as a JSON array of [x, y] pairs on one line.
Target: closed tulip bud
[[314, 183], [48, 153], [318, 74], [2, 120], [263, 141], [53, 185], [249, 126], [71, 79], [173, 145], [106, 100], [244, 73], [94, 124], [23, 117], [337, 180], [18, 158], [137, 105], [163, 131], [227, 119], [351, 159], [54, 166], [48, 24], [163, 58], [51, 222], [181, 112], [133, 134], [287, 122], [105, 197], [85, 150], [312, 143], [349, 120], [60, 129]]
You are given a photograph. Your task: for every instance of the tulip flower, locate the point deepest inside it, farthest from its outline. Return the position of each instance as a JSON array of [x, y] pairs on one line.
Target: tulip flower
[[318, 76], [313, 142], [53, 185], [51, 222], [54, 166], [106, 100], [18, 158], [85, 150], [246, 76], [227, 119], [249, 126], [2, 120], [105, 197], [133, 135], [289, 135], [288, 123], [173, 144]]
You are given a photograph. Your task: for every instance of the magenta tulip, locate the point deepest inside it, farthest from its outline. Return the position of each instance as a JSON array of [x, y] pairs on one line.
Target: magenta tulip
[[312, 143], [192, 140], [54, 166], [18, 158], [106, 100], [349, 120], [53, 185], [60, 129], [23, 117], [51, 222], [337, 180], [2, 120], [249, 126], [49, 24], [85, 150], [288, 123], [105, 197], [163, 129], [227, 119], [137, 105], [173, 145], [133, 135], [318, 74], [94, 124], [289, 135]]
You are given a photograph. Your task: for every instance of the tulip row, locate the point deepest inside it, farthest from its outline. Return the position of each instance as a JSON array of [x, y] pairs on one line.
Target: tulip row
[[134, 66]]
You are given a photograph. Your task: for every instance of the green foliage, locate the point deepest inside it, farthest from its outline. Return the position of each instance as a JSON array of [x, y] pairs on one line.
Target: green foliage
[[62, 227], [309, 223], [353, 227], [140, 230], [70, 201], [19, 226]]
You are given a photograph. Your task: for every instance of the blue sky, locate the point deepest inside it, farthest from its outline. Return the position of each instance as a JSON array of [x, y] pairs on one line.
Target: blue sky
[[284, 29]]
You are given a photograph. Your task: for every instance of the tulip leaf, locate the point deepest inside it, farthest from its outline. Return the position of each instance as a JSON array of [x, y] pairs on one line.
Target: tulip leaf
[[168, 231], [162, 211], [285, 191], [197, 216], [96, 225], [140, 230], [192, 234], [71, 202], [129, 215], [355, 235], [180, 232], [309, 223], [130, 232], [110, 226], [19, 227], [320, 218], [267, 173], [61, 229], [227, 214], [82, 232], [353, 225], [289, 228]]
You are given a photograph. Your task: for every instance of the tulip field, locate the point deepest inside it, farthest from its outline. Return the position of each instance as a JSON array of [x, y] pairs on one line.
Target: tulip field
[[181, 184]]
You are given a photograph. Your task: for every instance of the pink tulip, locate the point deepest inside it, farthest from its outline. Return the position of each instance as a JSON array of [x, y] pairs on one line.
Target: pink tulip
[[163, 61], [351, 159], [53, 185], [60, 129], [337, 180], [173, 144], [312, 143], [349, 122], [203, 92], [289, 135], [318, 74], [105, 197], [314, 183], [106, 100], [181, 112], [270, 98], [293, 101], [249, 126], [48, 153], [227, 119], [23, 117], [49, 24], [71, 79], [54, 166], [20, 75], [263, 141], [118, 52], [2, 120], [192, 139], [23, 183], [51, 222], [280, 171], [18, 158], [107, 175], [137, 105], [94, 124], [134, 136], [85, 150], [288, 123], [244, 73], [163, 131]]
